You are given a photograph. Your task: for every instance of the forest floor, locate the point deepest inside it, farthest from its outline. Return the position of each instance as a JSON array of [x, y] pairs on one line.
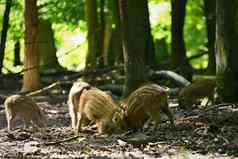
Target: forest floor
[[200, 133]]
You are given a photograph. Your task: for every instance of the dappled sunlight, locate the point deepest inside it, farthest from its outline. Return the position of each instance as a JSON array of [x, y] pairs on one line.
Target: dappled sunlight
[[159, 13], [160, 19], [9, 58], [72, 49]]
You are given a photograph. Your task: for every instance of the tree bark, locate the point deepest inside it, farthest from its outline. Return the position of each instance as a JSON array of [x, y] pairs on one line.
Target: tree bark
[[134, 39], [227, 50], [116, 52], [5, 26], [106, 30], [161, 50], [17, 59], [106, 41], [150, 55], [46, 47], [210, 14], [178, 45], [102, 32], [92, 58], [31, 77], [178, 54]]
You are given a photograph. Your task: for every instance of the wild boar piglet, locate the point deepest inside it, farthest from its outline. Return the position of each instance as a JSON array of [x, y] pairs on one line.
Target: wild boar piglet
[[19, 107]]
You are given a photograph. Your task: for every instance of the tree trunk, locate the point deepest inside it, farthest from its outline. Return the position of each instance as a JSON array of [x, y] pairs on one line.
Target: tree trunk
[[102, 32], [17, 59], [210, 14], [134, 39], [106, 41], [178, 53], [178, 46], [93, 54], [31, 77], [5, 26], [161, 49], [227, 49], [46, 47], [106, 31], [116, 52], [150, 55]]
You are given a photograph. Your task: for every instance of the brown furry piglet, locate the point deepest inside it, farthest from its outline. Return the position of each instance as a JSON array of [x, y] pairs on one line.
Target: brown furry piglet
[[146, 102], [98, 106], [73, 100], [23, 108], [192, 93]]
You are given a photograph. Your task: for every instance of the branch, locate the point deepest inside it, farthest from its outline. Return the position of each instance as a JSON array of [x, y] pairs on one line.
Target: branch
[[170, 75], [220, 105], [39, 91], [61, 141], [196, 56]]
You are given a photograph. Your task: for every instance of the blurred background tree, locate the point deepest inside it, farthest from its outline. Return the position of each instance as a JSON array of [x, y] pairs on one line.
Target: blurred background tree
[[31, 76], [70, 30], [74, 35]]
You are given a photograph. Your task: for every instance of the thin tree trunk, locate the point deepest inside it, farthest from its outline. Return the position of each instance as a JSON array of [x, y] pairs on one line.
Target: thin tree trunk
[[106, 41], [93, 34], [178, 46], [210, 14], [5, 26], [17, 60], [150, 55], [116, 55], [178, 53], [31, 78], [46, 47], [102, 32], [227, 49], [161, 49], [134, 39]]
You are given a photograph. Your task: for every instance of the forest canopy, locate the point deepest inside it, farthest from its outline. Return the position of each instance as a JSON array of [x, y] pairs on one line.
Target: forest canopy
[[68, 22]]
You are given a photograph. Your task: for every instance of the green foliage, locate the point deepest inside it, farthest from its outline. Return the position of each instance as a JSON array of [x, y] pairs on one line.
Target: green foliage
[[195, 32], [68, 18], [68, 15], [16, 21], [194, 28], [71, 46], [1, 14], [160, 18], [69, 12], [15, 31]]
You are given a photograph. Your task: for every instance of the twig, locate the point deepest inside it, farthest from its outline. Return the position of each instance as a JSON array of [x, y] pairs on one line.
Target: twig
[[45, 88], [70, 80], [50, 61], [94, 72], [196, 56], [219, 105], [190, 117], [61, 141], [140, 141]]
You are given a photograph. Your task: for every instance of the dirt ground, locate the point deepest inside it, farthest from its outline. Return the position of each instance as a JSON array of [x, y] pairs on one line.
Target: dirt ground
[[198, 134], [201, 133]]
